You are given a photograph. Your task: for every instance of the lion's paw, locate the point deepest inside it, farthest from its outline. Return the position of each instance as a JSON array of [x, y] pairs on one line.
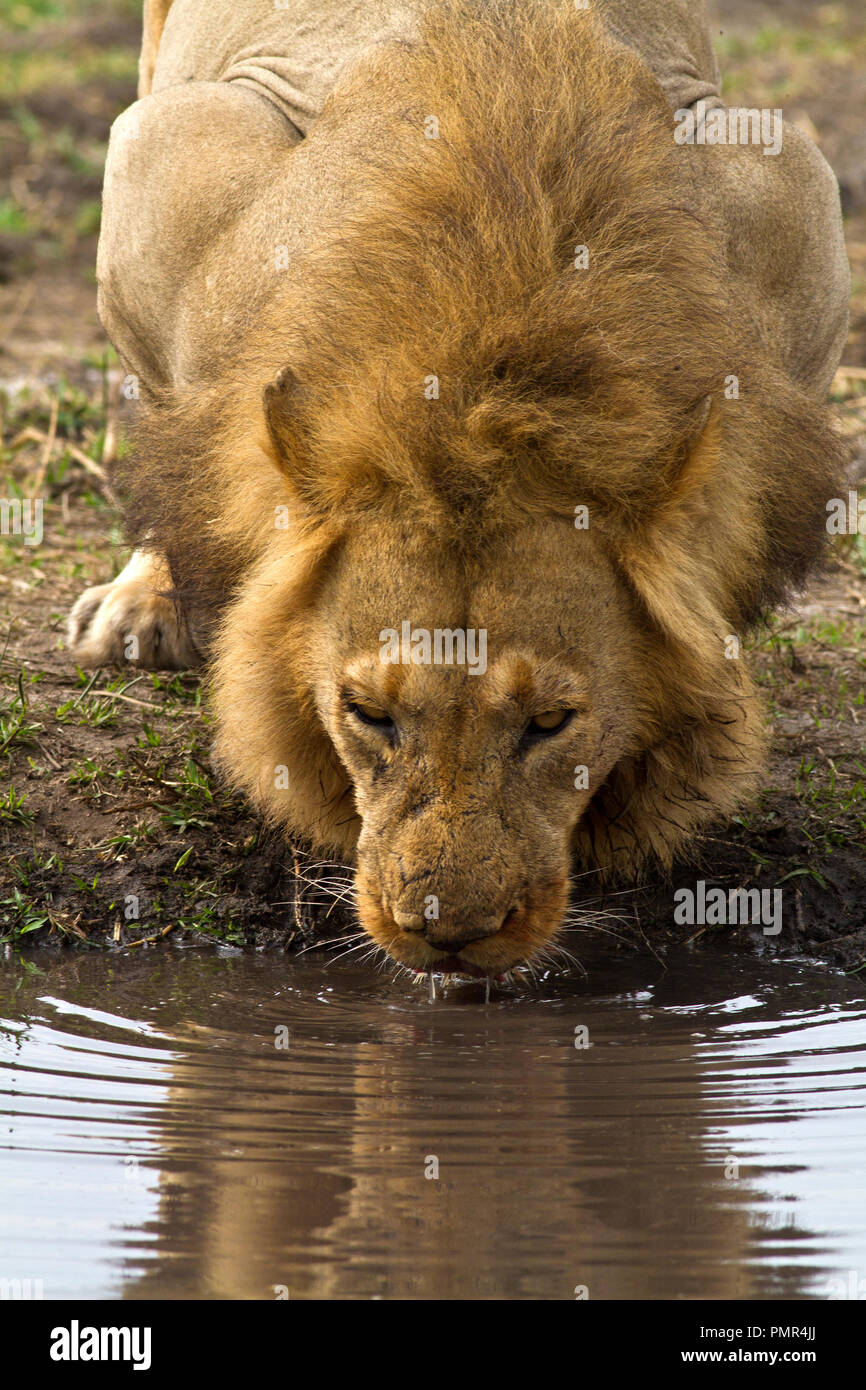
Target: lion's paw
[[130, 622]]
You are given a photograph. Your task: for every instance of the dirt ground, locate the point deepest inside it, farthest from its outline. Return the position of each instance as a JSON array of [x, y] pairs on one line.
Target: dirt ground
[[112, 829]]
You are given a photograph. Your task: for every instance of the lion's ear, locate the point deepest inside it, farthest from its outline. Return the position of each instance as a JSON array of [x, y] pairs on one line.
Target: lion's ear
[[698, 419], [661, 559], [283, 401], [693, 464]]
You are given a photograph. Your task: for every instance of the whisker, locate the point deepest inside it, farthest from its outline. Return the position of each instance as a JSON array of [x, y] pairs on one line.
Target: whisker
[[329, 943], [341, 867], [326, 884], [350, 951], [591, 928], [561, 958]]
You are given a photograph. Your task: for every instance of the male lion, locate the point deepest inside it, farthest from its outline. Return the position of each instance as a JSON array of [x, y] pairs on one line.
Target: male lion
[[447, 330]]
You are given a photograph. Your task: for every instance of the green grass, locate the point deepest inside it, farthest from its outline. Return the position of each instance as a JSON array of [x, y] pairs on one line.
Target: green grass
[[13, 218], [117, 847], [829, 40], [195, 800], [97, 712], [84, 774], [24, 74], [80, 422], [13, 808], [20, 915], [777, 63], [16, 727], [29, 907], [833, 801], [22, 16]]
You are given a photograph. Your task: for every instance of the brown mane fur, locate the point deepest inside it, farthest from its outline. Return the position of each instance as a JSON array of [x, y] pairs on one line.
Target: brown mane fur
[[557, 387]]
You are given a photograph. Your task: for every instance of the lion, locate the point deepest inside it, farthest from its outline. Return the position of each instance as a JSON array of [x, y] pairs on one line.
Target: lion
[[444, 332]]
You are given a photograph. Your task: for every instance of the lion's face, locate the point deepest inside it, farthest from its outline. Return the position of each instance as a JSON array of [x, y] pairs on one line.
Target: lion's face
[[470, 778]]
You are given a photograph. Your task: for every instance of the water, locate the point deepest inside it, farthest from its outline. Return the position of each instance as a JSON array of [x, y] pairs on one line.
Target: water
[[156, 1142]]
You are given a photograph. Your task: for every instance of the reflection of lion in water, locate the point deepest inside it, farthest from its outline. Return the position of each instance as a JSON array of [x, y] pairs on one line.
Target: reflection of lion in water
[[488, 351]]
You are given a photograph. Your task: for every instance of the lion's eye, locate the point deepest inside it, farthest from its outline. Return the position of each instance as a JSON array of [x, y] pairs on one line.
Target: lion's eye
[[549, 722], [368, 713]]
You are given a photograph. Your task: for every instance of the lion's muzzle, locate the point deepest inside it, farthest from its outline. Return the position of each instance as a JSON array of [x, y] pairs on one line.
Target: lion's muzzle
[[450, 936], [478, 919]]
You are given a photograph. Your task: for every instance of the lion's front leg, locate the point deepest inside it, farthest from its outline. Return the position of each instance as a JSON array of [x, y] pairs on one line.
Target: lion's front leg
[[132, 620]]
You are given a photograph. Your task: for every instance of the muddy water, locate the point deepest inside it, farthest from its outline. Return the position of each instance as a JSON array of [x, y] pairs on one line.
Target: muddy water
[[155, 1141]]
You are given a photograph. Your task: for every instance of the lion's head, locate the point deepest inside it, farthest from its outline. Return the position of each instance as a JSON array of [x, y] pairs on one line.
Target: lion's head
[[475, 714]]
